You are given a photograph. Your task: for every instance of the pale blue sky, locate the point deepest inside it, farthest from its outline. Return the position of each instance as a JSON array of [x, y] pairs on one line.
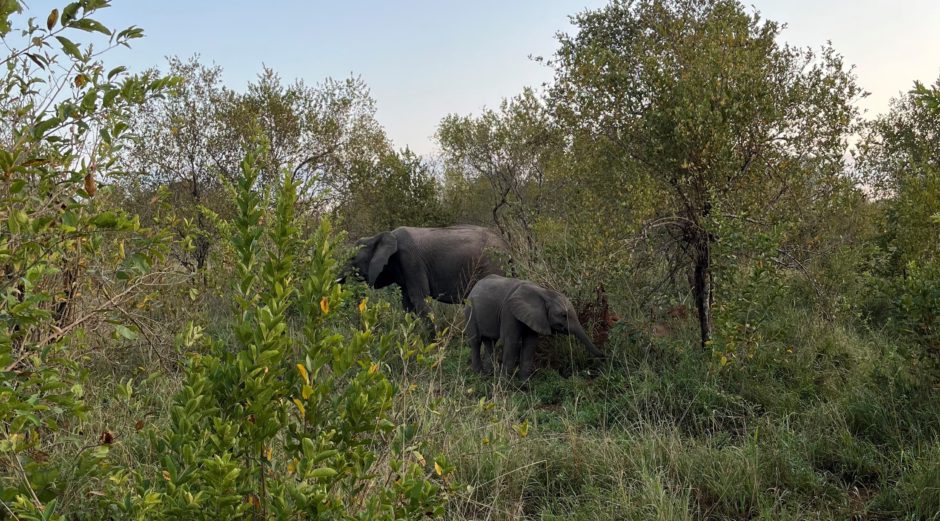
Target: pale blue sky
[[424, 59]]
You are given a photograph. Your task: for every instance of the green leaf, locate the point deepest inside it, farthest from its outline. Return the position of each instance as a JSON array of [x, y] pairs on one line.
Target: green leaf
[[70, 48], [89, 25], [6, 9], [69, 221], [131, 33], [115, 71], [41, 127], [68, 13], [308, 448], [125, 332], [139, 263], [108, 99], [322, 472], [106, 220]]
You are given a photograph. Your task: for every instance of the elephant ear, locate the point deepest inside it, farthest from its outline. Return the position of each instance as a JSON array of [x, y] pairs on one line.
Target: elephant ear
[[527, 304], [386, 246]]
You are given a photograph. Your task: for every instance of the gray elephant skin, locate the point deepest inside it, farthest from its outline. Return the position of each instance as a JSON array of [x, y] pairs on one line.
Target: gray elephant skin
[[516, 312], [442, 263]]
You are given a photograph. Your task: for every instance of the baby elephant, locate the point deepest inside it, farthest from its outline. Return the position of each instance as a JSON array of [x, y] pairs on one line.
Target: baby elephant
[[516, 312]]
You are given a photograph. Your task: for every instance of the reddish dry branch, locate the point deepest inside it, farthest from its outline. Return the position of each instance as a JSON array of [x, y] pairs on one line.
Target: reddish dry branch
[[597, 317]]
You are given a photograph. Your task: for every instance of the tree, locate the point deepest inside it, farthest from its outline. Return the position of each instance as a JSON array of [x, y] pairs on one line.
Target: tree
[[399, 189], [192, 143], [182, 148], [510, 150], [899, 158], [704, 102], [318, 132]]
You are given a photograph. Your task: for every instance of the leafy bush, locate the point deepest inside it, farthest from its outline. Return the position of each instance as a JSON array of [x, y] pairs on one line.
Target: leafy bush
[[69, 263], [917, 310], [295, 418]]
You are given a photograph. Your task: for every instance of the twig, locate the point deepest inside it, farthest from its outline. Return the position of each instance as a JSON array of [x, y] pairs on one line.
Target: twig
[[7, 507], [60, 332], [26, 481]]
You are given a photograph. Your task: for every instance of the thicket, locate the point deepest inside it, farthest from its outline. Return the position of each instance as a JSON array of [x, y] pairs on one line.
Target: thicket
[[173, 343]]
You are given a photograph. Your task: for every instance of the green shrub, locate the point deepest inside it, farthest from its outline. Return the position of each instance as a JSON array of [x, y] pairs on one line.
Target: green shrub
[[917, 308], [69, 261], [293, 419]]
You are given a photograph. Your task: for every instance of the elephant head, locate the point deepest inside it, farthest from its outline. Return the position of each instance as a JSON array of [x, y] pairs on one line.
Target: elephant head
[[545, 312], [371, 259]]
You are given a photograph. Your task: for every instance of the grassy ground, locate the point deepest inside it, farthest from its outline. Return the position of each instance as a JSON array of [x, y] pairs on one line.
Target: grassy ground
[[825, 422]]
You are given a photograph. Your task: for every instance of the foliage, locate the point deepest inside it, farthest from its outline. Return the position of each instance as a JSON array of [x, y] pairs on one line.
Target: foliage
[[683, 152], [286, 423], [397, 190], [327, 134], [510, 150], [70, 262], [721, 118], [917, 297], [899, 158]]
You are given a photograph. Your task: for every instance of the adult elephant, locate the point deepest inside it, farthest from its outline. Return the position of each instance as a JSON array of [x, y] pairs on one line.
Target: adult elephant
[[442, 263], [516, 312]]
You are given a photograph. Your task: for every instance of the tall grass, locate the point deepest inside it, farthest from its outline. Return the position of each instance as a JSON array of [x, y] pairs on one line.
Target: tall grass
[[825, 422], [828, 420]]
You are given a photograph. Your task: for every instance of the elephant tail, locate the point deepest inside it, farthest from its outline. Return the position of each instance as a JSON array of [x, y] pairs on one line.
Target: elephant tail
[[470, 329]]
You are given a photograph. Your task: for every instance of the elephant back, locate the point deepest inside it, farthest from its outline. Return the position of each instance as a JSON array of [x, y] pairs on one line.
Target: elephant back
[[456, 257]]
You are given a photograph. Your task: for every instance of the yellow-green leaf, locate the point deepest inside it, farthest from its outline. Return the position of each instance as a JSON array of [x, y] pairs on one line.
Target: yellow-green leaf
[[302, 369], [300, 407], [420, 458], [322, 472]]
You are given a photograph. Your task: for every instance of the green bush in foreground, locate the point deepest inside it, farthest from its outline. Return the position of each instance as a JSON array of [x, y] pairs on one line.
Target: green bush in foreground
[[285, 424], [70, 263]]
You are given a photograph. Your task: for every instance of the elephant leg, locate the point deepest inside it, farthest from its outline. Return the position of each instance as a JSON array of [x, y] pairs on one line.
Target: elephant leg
[[528, 356], [474, 340], [510, 337], [406, 302], [413, 301], [413, 296], [489, 350]]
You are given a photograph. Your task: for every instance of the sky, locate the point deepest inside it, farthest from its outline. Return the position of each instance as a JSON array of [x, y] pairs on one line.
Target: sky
[[424, 59]]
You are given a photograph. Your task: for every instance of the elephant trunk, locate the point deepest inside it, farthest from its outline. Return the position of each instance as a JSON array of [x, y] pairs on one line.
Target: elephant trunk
[[582, 336]]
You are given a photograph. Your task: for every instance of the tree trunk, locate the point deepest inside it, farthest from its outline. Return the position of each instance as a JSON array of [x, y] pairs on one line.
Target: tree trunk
[[702, 281], [702, 287]]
